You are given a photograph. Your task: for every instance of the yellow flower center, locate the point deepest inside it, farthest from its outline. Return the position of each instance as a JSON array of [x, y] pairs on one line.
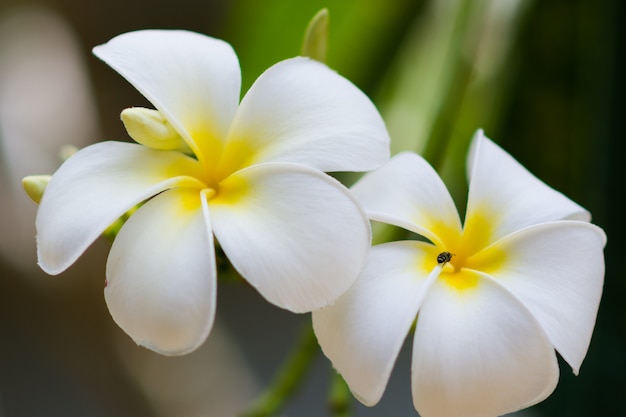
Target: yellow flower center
[[218, 159], [219, 162], [463, 254]]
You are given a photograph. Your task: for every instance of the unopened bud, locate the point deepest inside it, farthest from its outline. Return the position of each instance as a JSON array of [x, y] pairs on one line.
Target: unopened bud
[[67, 151], [151, 129], [316, 37], [34, 185]]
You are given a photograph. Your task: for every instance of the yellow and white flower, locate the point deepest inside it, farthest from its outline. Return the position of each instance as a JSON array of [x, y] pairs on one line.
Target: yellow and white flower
[[249, 173], [493, 297]]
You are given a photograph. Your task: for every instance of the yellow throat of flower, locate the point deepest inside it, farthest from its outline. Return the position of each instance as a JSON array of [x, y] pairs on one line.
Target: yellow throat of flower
[[463, 255]]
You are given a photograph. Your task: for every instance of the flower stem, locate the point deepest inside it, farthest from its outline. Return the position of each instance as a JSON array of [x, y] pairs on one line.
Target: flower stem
[[340, 398], [288, 378]]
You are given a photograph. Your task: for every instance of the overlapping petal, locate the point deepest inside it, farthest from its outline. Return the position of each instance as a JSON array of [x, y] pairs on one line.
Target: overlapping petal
[[557, 270], [194, 80], [376, 313], [509, 193], [407, 192], [479, 352], [301, 111], [96, 186], [295, 234], [161, 273]]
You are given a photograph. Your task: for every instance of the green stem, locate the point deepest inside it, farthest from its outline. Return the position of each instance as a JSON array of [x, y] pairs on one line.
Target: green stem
[[288, 378], [340, 398]]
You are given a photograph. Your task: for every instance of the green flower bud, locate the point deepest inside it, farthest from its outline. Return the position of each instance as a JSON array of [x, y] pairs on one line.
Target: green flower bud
[[34, 185], [149, 128]]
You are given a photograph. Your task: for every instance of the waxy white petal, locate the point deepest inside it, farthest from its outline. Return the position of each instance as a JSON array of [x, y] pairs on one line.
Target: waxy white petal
[[362, 333], [407, 192], [301, 111], [479, 352], [294, 233], [96, 186], [557, 270], [161, 273], [513, 196], [194, 80]]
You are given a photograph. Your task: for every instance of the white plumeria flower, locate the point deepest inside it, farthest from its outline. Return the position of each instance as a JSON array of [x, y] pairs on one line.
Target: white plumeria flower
[[254, 181], [522, 277]]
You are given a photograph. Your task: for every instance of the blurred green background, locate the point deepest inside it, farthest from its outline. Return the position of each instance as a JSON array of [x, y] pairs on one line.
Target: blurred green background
[[543, 78]]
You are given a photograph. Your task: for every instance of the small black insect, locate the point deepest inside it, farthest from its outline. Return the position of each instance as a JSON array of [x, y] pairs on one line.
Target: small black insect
[[444, 257]]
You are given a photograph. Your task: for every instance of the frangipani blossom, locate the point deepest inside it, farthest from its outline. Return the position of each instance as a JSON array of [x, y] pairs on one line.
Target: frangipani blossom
[[493, 298], [248, 173]]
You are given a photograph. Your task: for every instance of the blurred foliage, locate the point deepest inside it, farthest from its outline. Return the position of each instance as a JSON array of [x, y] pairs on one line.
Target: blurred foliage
[[364, 34], [565, 123]]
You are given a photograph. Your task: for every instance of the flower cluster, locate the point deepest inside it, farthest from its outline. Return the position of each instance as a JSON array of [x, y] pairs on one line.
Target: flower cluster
[[494, 296]]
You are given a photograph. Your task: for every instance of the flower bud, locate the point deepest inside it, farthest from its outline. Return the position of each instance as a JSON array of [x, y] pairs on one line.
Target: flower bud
[[34, 185], [149, 128], [316, 37]]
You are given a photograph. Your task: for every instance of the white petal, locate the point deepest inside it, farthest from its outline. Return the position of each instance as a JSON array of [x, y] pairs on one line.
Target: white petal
[[96, 186], [301, 111], [557, 270], [362, 333], [478, 352], [295, 234], [194, 80], [407, 192], [161, 274], [513, 196]]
